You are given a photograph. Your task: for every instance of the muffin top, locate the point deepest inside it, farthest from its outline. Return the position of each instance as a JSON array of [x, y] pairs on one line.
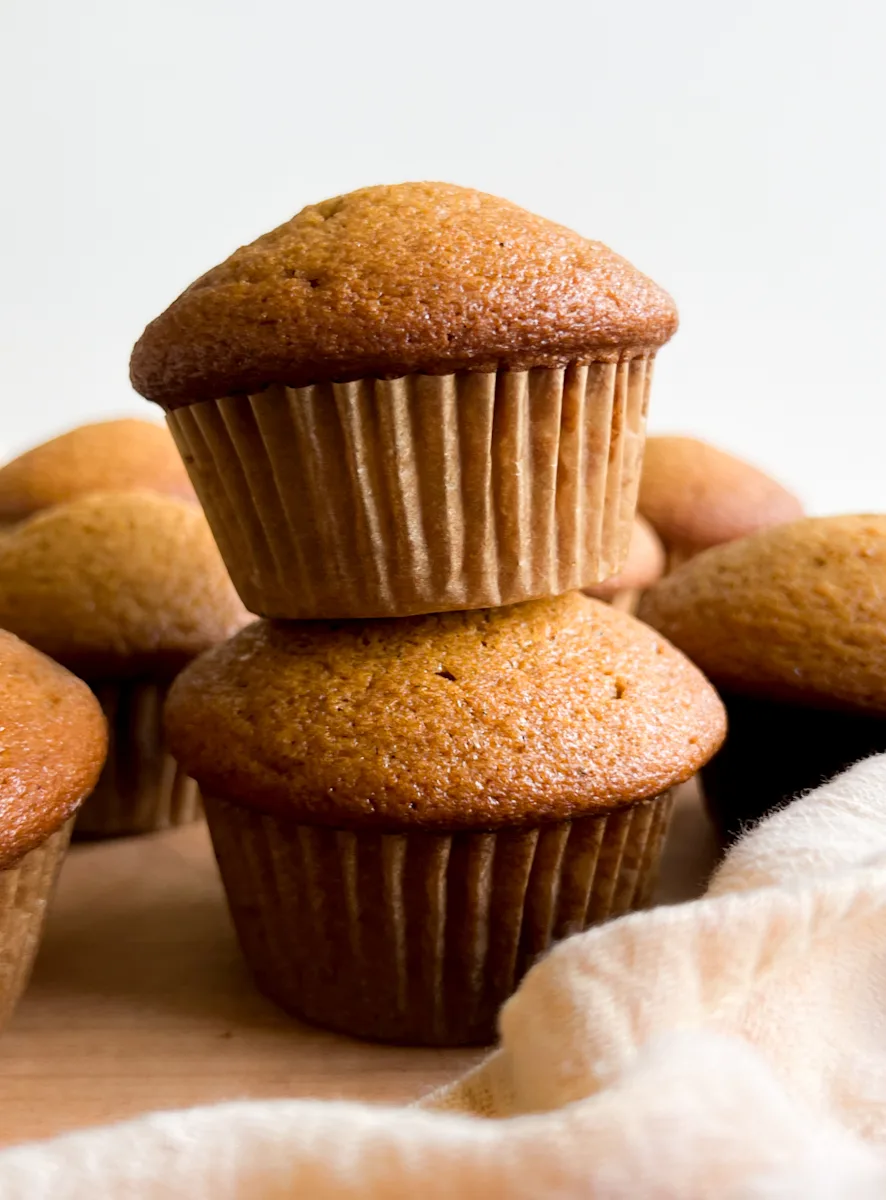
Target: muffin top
[[696, 496], [117, 585], [53, 742], [643, 567], [106, 456], [541, 711], [387, 281], [796, 613]]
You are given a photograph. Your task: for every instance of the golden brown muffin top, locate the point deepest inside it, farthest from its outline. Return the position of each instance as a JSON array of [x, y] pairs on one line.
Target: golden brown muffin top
[[644, 565], [108, 456], [695, 495], [796, 613], [117, 585], [387, 281], [541, 711], [53, 742]]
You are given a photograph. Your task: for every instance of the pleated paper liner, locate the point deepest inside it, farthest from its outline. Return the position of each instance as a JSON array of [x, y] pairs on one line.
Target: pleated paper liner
[[421, 494], [419, 938], [25, 892], [141, 789]]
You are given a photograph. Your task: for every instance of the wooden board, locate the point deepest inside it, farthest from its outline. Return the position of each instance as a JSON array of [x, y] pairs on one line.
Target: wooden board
[[140, 1001]]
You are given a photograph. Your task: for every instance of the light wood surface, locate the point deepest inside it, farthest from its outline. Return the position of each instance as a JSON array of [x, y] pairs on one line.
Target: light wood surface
[[139, 1000]]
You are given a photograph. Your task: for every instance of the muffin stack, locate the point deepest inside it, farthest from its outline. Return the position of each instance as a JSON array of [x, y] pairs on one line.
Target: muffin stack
[[414, 416]]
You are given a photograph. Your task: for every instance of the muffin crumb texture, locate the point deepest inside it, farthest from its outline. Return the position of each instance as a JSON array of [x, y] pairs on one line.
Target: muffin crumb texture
[[542, 711], [393, 280]]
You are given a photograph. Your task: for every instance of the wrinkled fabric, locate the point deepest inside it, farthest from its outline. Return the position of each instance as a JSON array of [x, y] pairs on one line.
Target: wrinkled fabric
[[730, 1047]]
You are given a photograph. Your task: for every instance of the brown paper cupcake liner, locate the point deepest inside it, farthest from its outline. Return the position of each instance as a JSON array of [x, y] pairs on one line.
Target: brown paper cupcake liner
[[141, 789], [25, 892], [421, 494], [420, 938]]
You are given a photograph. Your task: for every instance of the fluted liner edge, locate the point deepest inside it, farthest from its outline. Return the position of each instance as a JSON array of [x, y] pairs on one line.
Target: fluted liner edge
[[25, 891], [421, 494], [141, 789], [419, 937]]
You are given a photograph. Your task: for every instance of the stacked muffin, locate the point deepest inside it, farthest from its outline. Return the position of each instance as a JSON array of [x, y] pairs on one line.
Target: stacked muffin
[[414, 416]]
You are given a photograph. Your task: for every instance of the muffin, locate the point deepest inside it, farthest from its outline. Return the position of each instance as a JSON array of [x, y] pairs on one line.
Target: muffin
[[121, 455], [696, 496], [52, 745], [406, 813], [123, 588], [790, 626], [411, 399], [643, 567]]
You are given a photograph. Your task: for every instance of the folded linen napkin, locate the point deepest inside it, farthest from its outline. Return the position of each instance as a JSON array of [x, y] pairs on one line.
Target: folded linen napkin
[[730, 1047]]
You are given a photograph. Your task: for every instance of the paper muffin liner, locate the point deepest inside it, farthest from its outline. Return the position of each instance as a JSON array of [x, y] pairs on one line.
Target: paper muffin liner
[[383, 498], [25, 892], [419, 938], [141, 789]]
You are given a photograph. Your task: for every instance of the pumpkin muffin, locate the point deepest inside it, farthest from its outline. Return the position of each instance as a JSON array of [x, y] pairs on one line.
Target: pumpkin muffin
[[696, 496], [53, 742], [123, 455], [643, 567], [407, 813], [790, 626], [123, 588], [411, 399]]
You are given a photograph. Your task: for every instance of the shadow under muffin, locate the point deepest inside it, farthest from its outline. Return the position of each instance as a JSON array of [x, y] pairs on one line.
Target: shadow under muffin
[[777, 751]]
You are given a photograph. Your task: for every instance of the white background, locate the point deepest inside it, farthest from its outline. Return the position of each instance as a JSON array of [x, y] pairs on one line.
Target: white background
[[733, 151]]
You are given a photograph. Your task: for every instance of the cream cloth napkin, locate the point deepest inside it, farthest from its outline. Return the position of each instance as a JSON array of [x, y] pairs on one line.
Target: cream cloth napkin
[[731, 1047]]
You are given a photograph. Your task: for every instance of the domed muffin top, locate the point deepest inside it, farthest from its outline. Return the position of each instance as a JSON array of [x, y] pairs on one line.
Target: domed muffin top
[[695, 495], [53, 741], [117, 585], [106, 456], [391, 280], [796, 613], [542, 711]]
